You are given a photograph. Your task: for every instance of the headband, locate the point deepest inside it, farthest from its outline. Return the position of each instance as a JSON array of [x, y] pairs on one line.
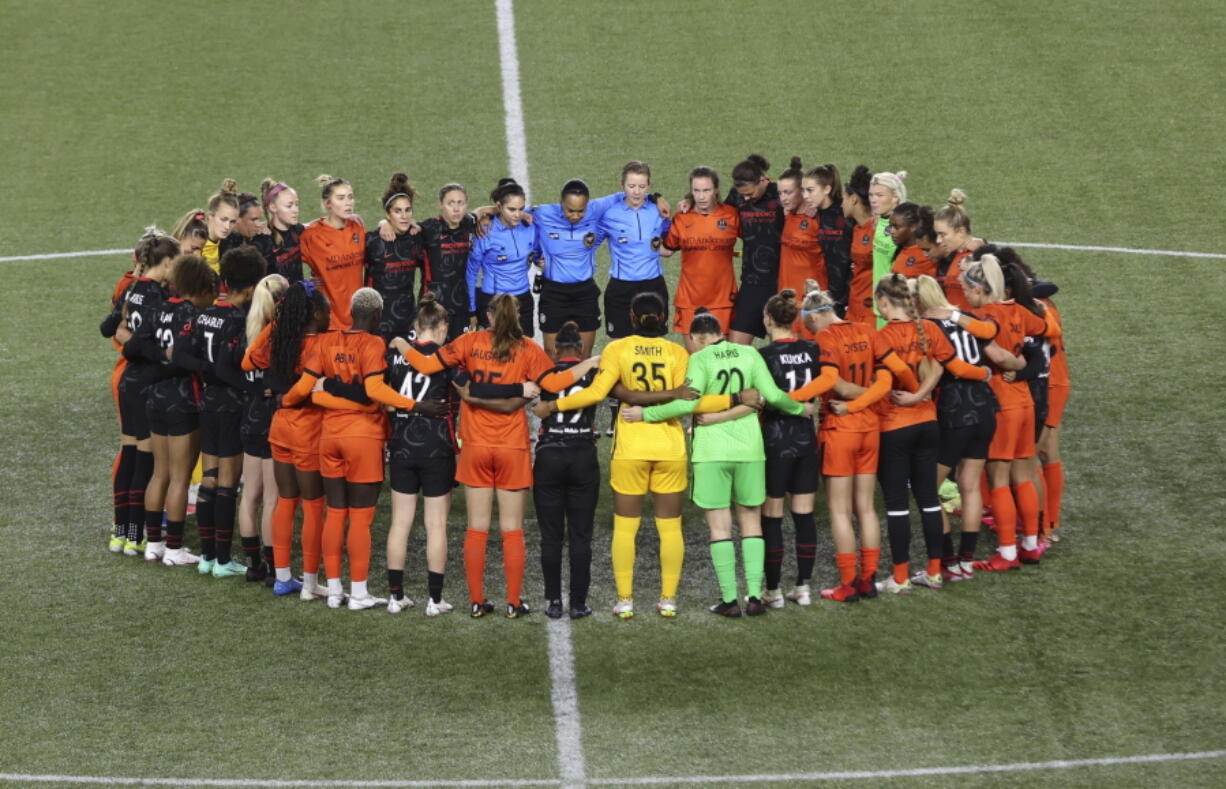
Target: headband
[[815, 310], [976, 281], [388, 202], [273, 191]]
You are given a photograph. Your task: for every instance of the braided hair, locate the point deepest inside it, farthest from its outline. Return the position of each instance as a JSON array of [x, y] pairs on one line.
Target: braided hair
[[303, 308]]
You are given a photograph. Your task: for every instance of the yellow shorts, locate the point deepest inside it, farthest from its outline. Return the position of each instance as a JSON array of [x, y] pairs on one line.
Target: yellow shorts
[[636, 477]]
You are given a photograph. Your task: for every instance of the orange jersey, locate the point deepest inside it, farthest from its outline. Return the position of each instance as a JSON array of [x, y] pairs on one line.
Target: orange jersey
[[911, 262], [348, 355], [860, 293], [293, 426], [1014, 323], [706, 241], [337, 258], [1059, 361], [902, 337], [953, 281], [800, 254], [848, 347], [474, 352]]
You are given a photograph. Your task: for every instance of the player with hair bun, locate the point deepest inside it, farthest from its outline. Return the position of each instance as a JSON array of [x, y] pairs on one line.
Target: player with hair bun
[[952, 227], [859, 214], [280, 204], [706, 236], [756, 200], [220, 218], [391, 266], [191, 231], [800, 250], [501, 258], [823, 193], [908, 222], [447, 239], [334, 247], [250, 229]]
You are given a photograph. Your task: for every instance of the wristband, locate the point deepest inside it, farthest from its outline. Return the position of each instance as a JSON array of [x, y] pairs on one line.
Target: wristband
[[736, 399], [955, 315]]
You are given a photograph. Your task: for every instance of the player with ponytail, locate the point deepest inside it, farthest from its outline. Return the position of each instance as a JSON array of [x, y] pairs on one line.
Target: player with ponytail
[[756, 200], [859, 215], [800, 250], [391, 266], [334, 247], [952, 228], [280, 203], [220, 218], [501, 258]]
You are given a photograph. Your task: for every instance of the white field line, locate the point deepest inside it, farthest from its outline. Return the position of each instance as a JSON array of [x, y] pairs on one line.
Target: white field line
[[1125, 250], [565, 697], [917, 772]]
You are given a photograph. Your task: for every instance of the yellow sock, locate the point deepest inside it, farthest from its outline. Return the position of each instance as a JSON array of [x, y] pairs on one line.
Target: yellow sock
[[624, 532], [672, 554]]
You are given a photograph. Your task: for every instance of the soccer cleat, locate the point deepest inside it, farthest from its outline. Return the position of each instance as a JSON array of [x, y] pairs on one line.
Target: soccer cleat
[[257, 572], [997, 563], [205, 566], [800, 595], [394, 606], [844, 593], [891, 586], [1030, 557], [754, 607], [730, 609], [624, 609], [436, 609], [282, 588], [516, 611], [229, 569], [115, 544], [362, 603], [931, 581], [1054, 535], [866, 588], [133, 548], [553, 609], [774, 598], [309, 593], [479, 610], [154, 551], [968, 570], [580, 612], [336, 600], [179, 557], [667, 607]]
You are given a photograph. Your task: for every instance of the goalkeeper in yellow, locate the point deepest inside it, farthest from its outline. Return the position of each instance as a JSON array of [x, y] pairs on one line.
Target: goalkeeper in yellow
[[645, 369], [729, 460]]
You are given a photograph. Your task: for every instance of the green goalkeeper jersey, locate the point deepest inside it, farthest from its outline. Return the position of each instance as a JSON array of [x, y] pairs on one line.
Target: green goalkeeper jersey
[[727, 368]]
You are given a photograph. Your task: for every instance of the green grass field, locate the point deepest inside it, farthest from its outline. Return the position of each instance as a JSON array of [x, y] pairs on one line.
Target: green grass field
[[1093, 123]]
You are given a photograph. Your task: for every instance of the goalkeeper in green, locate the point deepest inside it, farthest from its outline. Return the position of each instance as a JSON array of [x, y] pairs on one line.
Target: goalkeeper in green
[[728, 457]]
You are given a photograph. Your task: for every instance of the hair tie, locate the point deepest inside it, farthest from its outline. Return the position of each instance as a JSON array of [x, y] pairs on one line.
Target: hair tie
[[387, 204], [198, 217], [815, 310], [308, 286]]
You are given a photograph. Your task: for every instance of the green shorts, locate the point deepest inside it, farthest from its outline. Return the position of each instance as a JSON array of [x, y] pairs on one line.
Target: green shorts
[[719, 483]]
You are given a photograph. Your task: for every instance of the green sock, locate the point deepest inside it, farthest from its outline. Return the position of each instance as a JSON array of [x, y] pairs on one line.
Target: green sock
[[723, 558], [753, 557]]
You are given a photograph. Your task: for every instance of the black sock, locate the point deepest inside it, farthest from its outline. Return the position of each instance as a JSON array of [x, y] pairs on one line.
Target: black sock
[[141, 472], [806, 545], [395, 583], [174, 535], [772, 533], [121, 485], [268, 556], [251, 549], [947, 545], [223, 524], [205, 518], [966, 547], [153, 526], [898, 530], [434, 582]]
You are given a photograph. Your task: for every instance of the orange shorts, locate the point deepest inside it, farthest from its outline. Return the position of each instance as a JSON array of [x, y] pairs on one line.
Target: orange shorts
[[298, 458], [681, 324], [357, 459], [293, 437], [846, 454], [1057, 399], [1014, 438], [494, 467]]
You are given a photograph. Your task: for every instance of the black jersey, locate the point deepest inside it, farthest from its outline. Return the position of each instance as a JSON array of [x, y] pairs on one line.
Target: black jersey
[[142, 301], [262, 242], [834, 236], [391, 269], [446, 261], [1037, 352], [286, 258], [792, 364], [219, 339], [761, 229], [416, 436], [961, 402], [177, 389], [568, 427]]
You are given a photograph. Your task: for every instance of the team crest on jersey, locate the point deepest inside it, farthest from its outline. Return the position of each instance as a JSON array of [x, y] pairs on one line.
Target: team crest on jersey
[[354, 239], [867, 237], [589, 240], [722, 224], [911, 260], [804, 224], [656, 242]]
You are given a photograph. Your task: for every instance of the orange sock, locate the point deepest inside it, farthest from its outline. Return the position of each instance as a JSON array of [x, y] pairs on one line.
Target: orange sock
[[934, 566], [283, 531], [846, 562], [1053, 476], [1005, 513], [869, 559], [985, 484], [514, 556], [1028, 505], [312, 533], [474, 563], [358, 543], [902, 572], [334, 540]]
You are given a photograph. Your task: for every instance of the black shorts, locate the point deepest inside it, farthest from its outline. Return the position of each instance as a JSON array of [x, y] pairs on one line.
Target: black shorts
[[220, 433], [965, 443], [429, 476], [619, 294], [256, 445], [569, 301], [396, 320], [133, 413], [792, 474], [174, 423], [747, 311], [527, 321]]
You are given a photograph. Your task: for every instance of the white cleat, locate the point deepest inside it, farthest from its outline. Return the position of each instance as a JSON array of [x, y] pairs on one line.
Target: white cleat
[[773, 598], [434, 609], [800, 595], [336, 600], [154, 551], [179, 557], [624, 609], [394, 606], [310, 593], [360, 603]]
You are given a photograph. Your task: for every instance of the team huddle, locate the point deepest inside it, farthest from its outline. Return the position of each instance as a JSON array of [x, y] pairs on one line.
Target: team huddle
[[900, 350]]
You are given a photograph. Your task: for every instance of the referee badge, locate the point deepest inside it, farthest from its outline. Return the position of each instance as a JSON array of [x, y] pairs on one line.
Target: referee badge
[[655, 242], [589, 240], [554, 236], [722, 224]]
